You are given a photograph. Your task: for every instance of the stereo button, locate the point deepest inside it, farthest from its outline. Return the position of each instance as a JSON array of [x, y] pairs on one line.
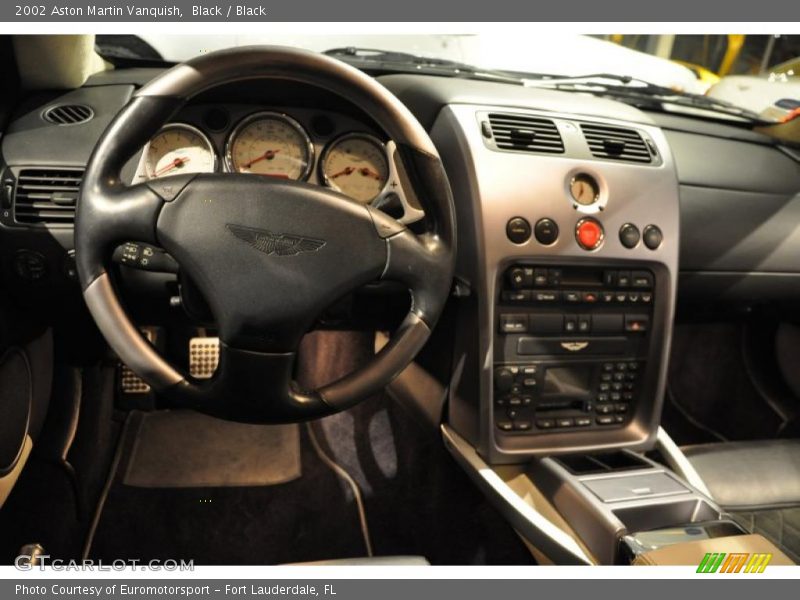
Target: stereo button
[[546, 231], [629, 235], [546, 296], [652, 237], [513, 323], [503, 379], [518, 230]]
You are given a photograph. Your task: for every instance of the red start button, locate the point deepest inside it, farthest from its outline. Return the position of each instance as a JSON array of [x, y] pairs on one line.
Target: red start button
[[589, 234]]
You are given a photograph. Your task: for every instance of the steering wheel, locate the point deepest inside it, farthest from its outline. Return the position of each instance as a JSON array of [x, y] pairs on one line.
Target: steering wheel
[[268, 255]]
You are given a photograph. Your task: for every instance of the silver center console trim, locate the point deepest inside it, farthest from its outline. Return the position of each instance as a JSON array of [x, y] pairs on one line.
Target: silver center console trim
[[679, 463], [531, 525]]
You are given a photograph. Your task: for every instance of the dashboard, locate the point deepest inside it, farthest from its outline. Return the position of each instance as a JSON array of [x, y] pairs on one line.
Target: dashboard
[[583, 225]]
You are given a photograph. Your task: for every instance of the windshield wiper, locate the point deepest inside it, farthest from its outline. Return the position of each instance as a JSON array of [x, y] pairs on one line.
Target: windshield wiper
[[640, 93], [405, 62]]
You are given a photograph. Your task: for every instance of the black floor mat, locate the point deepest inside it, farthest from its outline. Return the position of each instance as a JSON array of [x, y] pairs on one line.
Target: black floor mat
[[183, 448], [418, 501], [310, 518]]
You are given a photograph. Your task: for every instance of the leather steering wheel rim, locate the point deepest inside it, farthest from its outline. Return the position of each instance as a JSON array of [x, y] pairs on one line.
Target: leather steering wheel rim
[[344, 244]]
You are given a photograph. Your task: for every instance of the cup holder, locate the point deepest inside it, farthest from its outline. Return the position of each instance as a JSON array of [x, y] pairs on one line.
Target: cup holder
[[668, 514]]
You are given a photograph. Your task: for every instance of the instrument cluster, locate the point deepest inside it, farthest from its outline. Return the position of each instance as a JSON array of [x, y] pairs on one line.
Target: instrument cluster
[[321, 148]]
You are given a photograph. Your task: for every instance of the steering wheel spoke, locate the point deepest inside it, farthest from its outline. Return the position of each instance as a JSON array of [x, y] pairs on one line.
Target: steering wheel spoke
[[253, 387], [124, 215]]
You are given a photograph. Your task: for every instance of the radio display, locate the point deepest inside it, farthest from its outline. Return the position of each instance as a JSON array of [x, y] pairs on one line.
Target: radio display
[[568, 381], [582, 278]]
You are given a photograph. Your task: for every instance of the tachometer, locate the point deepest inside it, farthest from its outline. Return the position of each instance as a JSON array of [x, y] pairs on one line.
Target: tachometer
[[179, 148], [356, 165], [270, 144]]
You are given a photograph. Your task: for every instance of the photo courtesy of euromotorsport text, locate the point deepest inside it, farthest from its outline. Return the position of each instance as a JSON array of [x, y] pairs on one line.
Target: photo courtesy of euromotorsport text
[[354, 300]]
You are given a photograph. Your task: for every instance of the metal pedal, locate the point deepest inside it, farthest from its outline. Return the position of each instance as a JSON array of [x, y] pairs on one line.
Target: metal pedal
[[203, 357], [130, 382]]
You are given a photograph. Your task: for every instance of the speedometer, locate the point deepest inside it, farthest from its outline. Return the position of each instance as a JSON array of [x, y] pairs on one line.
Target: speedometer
[[178, 148], [356, 165], [270, 144]]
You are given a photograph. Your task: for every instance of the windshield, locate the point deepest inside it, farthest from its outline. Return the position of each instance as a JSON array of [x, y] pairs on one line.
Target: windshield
[[754, 74]]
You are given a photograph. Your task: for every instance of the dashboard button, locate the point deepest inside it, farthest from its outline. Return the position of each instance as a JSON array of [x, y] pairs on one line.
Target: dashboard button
[[589, 234], [513, 323], [629, 235], [546, 231], [518, 230], [652, 237], [540, 277], [517, 296], [641, 279], [546, 296], [503, 379], [520, 277]]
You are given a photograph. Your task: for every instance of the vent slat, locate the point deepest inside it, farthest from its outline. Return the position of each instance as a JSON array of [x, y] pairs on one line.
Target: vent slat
[[616, 143], [525, 134], [45, 196]]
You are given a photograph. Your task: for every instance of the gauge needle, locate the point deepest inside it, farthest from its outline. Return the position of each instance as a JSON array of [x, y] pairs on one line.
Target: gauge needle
[[367, 172], [268, 155], [345, 171], [178, 162]]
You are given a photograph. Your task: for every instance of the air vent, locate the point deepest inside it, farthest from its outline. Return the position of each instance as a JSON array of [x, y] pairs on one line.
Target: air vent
[[616, 143], [46, 196], [68, 114], [525, 134]]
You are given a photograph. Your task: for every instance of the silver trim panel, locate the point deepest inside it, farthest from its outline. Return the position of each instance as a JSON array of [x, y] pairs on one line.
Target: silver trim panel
[[679, 463]]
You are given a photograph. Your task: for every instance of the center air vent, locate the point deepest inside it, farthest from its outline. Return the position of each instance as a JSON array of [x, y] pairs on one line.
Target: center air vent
[[68, 114], [525, 134], [616, 143], [46, 195]]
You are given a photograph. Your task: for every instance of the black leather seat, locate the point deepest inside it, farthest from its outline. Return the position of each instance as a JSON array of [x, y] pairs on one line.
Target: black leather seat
[[758, 483]]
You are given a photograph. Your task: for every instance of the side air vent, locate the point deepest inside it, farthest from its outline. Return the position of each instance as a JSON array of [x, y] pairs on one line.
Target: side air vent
[[68, 114], [525, 134], [46, 196], [616, 143]]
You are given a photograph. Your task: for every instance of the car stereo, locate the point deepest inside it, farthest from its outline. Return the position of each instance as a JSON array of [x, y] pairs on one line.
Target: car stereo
[[571, 347]]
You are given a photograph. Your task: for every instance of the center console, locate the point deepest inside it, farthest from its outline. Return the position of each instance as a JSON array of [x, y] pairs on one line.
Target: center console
[[568, 237]]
